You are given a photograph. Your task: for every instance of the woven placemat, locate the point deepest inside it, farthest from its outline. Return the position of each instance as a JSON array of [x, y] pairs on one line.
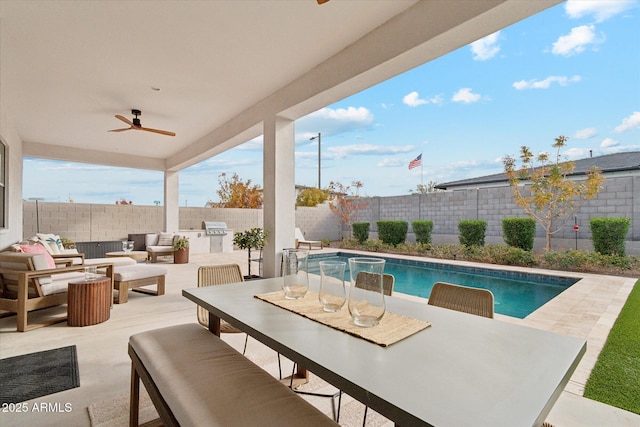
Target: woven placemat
[[392, 328]]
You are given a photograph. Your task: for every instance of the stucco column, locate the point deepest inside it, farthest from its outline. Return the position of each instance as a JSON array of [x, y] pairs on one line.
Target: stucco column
[[171, 213], [279, 191]]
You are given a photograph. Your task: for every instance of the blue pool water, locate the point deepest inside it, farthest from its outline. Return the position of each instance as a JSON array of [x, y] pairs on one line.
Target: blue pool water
[[516, 294]]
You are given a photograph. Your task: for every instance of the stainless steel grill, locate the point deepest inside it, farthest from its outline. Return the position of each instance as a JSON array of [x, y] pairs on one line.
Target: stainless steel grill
[[214, 228]]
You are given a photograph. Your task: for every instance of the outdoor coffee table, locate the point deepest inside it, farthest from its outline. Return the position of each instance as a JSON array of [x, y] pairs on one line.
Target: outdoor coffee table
[[462, 370], [89, 301], [137, 255]]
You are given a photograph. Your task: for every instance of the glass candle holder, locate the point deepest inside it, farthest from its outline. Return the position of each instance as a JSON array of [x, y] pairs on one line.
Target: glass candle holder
[[295, 277], [332, 294]]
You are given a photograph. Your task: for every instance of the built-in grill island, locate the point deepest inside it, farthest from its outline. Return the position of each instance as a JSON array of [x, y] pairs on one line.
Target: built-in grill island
[[221, 238]]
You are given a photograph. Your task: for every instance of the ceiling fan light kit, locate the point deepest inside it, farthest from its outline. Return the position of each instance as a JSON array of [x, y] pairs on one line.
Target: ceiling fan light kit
[[137, 125]]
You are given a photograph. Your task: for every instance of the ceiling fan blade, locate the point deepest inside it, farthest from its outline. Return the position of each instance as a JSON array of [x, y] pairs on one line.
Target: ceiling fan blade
[[120, 130], [322, 1], [124, 119], [161, 132]]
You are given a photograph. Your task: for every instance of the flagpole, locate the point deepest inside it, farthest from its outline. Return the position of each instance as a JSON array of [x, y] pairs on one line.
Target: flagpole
[[421, 172]]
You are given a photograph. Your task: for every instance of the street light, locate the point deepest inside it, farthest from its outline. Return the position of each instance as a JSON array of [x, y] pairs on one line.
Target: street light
[[37, 212], [319, 137]]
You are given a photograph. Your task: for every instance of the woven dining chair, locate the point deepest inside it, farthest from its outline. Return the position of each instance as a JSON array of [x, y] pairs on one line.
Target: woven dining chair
[[462, 298], [365, 280], [211, 275]]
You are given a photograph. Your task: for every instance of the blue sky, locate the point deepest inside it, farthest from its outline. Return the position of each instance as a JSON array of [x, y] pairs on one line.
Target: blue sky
[[571, 70]]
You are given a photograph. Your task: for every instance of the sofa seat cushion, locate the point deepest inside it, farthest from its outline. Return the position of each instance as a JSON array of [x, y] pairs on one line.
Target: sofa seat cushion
[[136, 272], [60, 282], [116, 261], [160, 249]]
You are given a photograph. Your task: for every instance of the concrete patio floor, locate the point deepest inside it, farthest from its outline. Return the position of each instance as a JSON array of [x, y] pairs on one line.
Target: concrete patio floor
[[588, 310]]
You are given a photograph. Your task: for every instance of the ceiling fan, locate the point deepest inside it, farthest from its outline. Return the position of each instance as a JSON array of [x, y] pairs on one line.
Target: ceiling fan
[[135, 125]]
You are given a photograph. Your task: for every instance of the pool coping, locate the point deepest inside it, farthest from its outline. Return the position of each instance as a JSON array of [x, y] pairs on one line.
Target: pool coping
[[586, 309]]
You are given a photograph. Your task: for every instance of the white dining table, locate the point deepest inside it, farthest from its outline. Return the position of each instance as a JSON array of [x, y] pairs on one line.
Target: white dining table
[[463, 370]]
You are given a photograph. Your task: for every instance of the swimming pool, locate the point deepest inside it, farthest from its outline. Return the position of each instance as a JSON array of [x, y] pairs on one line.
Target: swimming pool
[[516, 294]]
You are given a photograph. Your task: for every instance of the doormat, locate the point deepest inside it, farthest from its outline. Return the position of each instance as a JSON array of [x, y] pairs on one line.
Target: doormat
[[38, 374]]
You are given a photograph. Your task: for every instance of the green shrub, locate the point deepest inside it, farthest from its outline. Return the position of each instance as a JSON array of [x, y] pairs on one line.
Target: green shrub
[[510, 255], [392, 232], [360, 231], [519, 232], [472, 232], [422, 229], [566, 260], [608, 235]]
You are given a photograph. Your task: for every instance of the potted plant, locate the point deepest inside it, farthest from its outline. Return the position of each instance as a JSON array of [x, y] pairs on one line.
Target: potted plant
[[180, 250], [254, 238]]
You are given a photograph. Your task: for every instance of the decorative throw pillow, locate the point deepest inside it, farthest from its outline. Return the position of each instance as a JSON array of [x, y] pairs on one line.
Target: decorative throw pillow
[[39, 249], [165, 239], [52, 242]]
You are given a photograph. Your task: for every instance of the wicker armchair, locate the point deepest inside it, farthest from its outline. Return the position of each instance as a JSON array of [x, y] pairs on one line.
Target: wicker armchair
[[462, 298]]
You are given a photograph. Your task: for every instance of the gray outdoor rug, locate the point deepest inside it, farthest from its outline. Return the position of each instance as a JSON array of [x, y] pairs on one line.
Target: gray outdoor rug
[[34, 375]]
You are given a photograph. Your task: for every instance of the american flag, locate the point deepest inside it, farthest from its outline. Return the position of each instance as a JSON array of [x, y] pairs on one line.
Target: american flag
[[415, 162]]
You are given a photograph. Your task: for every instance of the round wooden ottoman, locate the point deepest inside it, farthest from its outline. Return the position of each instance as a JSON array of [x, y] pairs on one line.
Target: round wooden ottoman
[[89, 301]]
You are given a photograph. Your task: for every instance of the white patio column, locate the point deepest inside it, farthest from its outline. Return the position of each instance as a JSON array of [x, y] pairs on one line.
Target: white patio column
[[279, 191], [171, 208]]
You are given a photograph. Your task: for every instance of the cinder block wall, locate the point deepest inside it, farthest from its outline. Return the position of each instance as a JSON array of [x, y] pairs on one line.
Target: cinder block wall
[[620, 197], [89, 223]]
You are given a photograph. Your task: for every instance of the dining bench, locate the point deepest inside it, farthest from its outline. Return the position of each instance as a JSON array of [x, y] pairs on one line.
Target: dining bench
[[194, 378]]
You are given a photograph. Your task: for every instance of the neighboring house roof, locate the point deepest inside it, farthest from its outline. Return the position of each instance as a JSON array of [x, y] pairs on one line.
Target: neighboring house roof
[[618, 162]]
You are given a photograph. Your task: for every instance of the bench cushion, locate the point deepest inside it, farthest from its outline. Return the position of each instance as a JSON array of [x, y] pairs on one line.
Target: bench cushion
[[134, 272], [206, 382]]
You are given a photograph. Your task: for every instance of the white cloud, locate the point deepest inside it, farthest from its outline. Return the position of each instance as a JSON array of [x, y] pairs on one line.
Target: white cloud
[[576, 41], [486, 48], [585, 133], [331, 121], [466, 95], [546, 83], [600, 9], [608, 143], [413, 99], [391, 163], [342, 151], [575, 153], [628, 123]]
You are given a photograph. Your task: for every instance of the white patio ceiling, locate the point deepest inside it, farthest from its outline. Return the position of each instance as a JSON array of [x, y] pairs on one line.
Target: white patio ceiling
[[67, 67]]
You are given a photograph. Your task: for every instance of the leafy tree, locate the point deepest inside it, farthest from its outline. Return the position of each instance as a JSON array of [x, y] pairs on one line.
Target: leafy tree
[[430, 187], [255, 238], [235, 193], [552, 198], [311, 197], [346, 202]]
